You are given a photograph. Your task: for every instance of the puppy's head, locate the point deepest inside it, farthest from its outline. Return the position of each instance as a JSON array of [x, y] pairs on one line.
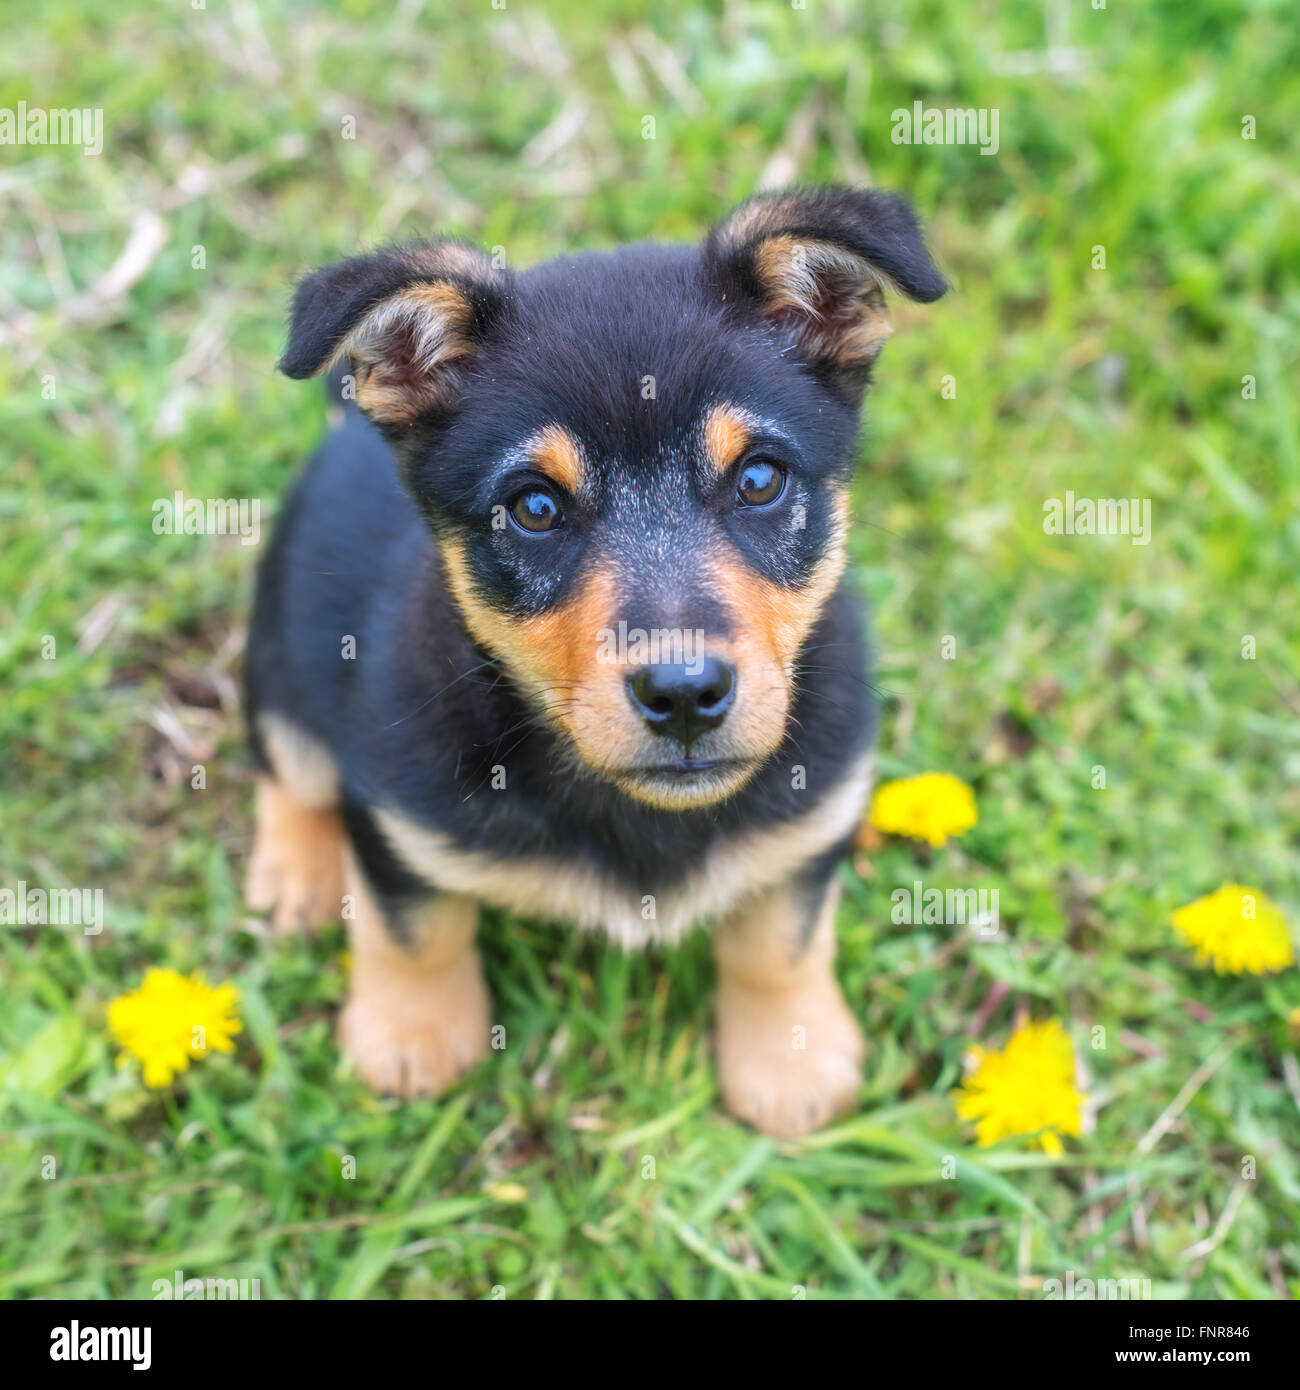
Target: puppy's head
[[636, 463]]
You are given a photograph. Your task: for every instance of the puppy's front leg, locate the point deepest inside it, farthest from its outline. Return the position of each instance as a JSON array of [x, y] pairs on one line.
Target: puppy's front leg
[[789, 1051], [419, 1013]]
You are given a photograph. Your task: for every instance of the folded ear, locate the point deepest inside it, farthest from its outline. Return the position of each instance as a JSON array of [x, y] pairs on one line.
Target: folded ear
[[410, 318], [815, 261]]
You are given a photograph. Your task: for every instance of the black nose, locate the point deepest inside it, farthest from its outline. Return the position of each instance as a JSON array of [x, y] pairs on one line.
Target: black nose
[[683, 701]]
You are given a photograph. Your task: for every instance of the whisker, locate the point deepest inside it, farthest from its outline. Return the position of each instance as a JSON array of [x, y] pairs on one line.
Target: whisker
[[437, 693]]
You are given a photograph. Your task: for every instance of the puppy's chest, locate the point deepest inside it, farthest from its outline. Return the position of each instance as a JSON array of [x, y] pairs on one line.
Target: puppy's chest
[[638, 907]]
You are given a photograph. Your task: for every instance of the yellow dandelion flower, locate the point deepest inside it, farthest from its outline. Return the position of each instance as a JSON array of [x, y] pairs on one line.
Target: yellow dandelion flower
[[1027, 1088], [171, 1019], [506, 1191], [930, 807], [1234, 930]]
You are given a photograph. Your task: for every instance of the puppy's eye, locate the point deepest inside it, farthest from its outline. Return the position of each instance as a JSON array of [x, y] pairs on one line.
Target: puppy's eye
[[760, 483], [535, 510]]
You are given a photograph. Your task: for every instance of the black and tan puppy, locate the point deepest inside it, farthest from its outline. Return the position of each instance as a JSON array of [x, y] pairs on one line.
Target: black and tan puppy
[[555, 621]]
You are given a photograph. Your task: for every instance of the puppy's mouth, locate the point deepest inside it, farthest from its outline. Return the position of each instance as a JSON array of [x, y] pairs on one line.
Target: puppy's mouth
[[680, 783]]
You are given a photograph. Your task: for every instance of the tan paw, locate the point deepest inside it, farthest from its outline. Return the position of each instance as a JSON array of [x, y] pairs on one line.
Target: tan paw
[[787, 1063], [297, 863], [419, 1044], [305, 891]]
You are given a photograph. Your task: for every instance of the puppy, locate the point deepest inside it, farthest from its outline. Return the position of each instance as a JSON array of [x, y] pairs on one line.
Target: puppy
[[555, 621]]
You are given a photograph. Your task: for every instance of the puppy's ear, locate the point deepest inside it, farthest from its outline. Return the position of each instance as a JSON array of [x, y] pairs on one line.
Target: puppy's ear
[[410, 318], [815, 261]]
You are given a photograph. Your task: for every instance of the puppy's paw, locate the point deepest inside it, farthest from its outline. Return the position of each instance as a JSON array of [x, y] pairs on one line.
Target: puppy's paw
[[297, 863], [417, 1043], [787, 1063], [304, 886]]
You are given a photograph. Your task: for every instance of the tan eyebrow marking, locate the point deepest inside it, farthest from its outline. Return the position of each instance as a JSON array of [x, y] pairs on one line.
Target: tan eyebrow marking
[[726, 436], [554, 452]]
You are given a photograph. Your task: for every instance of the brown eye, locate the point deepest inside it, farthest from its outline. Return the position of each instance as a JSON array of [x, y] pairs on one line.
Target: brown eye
[[535, 510], [760, 483]]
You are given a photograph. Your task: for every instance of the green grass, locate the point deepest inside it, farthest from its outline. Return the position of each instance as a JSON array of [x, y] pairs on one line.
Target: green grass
[[1070, 652]]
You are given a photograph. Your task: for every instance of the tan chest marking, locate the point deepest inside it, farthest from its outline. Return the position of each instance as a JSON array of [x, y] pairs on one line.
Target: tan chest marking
[[301, 763], [739, 869]]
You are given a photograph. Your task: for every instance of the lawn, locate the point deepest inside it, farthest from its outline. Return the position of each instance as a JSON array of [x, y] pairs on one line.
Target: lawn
[[142, 299]]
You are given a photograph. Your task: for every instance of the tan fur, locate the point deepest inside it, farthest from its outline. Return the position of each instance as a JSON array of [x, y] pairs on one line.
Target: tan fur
[[402, 348], [726, 435], [789, 1051], [554, 656], [774, 621], [302, 764], [297, 861], [555, 646], [562, 890], [448, 258], [418, 1015], [557, 455], [800, 274], [770, 623], [764, 217]]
